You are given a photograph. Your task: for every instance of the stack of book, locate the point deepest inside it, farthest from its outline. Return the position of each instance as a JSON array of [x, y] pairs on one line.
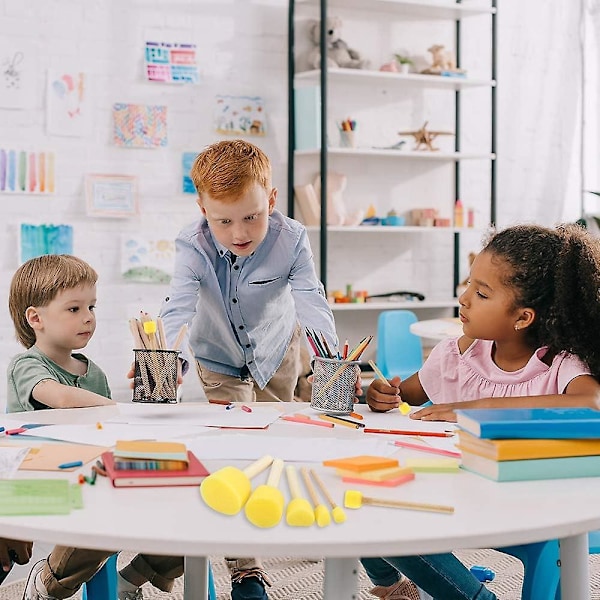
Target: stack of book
[[514, 444], [150, 463]]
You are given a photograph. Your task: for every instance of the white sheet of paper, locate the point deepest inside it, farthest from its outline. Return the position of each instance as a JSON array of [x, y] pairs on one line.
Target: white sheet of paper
[[204, 414], [241, 446], [111, 432], [10, 460]]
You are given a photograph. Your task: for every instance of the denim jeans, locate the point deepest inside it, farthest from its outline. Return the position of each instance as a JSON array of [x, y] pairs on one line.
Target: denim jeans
[[442, 576]]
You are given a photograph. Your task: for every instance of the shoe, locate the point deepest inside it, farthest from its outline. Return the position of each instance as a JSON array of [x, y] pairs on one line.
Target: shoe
[[249, 585], [34, 588], [128, 591], [404, 589]]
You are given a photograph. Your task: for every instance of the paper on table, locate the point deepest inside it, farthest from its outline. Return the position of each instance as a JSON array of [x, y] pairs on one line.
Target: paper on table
[[47, 457], [201, 413], [250, 447], [10, 459], [111, 432]]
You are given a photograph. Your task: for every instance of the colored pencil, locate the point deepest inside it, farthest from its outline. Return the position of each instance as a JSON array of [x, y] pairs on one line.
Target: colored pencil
[[338, 421], [429, 449], [304, 420], [406, 432], [377, 371]]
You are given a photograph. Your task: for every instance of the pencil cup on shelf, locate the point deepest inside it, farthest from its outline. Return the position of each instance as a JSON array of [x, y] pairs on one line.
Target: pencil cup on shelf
[[334, 383], [347, 139], [155, 376]]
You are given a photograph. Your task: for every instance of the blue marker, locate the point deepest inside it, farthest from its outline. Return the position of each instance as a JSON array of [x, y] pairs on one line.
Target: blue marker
[[428, 403], [70, 465], [230, 406]]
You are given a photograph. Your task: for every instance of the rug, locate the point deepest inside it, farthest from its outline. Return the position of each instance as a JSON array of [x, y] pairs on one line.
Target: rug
[[296, 579]]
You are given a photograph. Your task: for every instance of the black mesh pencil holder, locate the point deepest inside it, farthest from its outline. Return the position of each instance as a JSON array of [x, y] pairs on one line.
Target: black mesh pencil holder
[[334, 383], [155, 376]]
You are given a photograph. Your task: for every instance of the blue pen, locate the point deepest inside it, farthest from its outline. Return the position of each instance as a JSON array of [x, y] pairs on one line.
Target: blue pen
[[230, 406], [1, 429], [70, 465]]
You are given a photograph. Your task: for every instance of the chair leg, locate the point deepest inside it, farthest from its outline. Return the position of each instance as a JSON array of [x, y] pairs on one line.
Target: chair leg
[[541, 577], [103, 585]]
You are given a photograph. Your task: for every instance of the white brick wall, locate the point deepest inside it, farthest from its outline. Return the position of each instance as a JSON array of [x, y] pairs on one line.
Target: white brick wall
[[242, 50]]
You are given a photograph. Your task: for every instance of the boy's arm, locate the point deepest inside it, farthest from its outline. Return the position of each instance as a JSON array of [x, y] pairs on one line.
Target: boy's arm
[[58, 395], [312, 307]]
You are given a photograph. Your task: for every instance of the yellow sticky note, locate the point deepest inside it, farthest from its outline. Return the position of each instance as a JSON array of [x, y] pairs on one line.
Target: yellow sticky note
[[433, 465]]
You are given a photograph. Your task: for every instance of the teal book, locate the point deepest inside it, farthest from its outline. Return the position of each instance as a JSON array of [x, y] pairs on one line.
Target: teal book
[[530, 423], [531, 469]]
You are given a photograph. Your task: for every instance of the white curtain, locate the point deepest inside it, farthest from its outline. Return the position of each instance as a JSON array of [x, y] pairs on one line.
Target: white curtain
[[539, 108]]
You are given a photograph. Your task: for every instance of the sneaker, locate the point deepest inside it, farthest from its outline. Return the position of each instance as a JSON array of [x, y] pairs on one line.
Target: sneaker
[[249, 585], [128, 591], [34, 588], [404, 589]]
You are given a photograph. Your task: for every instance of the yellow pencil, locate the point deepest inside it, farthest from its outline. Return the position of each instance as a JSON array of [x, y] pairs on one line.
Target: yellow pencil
[[339, 421], [377, 371]]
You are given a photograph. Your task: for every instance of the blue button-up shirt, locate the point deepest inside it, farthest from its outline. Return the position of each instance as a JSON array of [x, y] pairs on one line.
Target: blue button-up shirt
[[245, 313]]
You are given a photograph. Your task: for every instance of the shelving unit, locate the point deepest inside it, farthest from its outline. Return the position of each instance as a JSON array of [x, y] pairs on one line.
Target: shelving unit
[[447, 163]]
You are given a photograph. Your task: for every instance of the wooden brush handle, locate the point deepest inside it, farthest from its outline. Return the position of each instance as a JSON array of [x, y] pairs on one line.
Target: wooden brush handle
[[439, 508], [293, 481], [323, 489], [258, 466], [310, 487], [275, 473]]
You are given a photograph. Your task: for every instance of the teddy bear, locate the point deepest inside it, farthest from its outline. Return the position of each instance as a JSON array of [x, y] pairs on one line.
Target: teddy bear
[[339, 54]]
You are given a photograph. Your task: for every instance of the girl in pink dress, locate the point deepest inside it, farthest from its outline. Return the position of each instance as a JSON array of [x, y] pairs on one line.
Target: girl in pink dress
[[531, 317]]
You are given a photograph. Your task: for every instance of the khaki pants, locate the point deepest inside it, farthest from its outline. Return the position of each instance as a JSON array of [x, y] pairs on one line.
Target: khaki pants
[[280, 388], [67, 569]]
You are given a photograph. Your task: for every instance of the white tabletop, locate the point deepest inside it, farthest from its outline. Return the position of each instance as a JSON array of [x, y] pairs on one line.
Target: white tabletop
[[437, 329], [176, 521]]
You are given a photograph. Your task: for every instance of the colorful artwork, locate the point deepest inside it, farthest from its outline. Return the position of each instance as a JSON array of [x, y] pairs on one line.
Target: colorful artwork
[[111, 195], [66, 98], [23, 172], [37, 240], [187, 160], [18, 72], [171, 62], [240, 115], [147, 260], [140, 126]]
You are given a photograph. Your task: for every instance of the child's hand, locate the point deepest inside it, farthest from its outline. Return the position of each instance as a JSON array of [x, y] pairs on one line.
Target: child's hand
[[384, 395], [438, 412]]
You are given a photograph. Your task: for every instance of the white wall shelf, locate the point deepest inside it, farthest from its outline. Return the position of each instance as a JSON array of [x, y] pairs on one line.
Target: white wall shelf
[[415, 9], [383, 77], [394, 305], [390, 229], [400, 154]]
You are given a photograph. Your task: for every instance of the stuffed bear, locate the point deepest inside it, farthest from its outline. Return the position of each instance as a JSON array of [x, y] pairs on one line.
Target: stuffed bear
[[339, 54]]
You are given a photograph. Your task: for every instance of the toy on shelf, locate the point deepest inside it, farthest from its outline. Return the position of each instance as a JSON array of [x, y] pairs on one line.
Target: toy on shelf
[[339, 54], [336, 209], [404, 61], [424, 137], [392, 219], [358, 296], [443, 62]]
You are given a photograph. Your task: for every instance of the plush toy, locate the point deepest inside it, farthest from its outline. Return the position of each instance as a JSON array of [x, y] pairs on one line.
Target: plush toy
[[338, 54]]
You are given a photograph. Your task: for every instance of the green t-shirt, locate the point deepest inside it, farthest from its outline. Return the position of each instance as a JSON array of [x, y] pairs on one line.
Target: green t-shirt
[[26, 370]]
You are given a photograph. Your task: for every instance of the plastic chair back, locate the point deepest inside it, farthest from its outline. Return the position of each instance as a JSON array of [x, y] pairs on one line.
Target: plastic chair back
[[399, 352]]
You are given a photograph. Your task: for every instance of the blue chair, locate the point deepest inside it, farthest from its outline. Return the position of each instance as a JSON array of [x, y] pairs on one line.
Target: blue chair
[[541, 562], [103, 585], [399, 352]]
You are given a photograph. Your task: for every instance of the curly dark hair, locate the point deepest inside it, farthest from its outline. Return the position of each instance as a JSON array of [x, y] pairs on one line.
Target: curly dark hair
[[555, 271]]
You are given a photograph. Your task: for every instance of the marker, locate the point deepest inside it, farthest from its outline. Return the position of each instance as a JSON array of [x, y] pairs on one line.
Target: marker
[[98, 425], [15, 431], [229, 406], [356, 416], [224, 402], [71, 465], [246, 408], [1, 429]]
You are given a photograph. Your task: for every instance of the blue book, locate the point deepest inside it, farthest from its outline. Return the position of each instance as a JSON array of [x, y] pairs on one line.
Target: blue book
[[531, 469], [532, 423]]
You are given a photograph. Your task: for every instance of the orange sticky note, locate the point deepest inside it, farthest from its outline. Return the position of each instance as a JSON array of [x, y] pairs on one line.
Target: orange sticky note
[[362, 463]]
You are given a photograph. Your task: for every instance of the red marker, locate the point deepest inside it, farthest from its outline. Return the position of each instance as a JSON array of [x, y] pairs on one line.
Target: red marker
[[246, 408], [15, 431]]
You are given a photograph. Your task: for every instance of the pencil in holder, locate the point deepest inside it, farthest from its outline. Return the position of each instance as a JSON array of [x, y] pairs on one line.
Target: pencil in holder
[[334, 384], [155, 376]]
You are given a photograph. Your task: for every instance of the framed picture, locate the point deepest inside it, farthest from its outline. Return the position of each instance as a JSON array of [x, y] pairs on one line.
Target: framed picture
[[111, 195]]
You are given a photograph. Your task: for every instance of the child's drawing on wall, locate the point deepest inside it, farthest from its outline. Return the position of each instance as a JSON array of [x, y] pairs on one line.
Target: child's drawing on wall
[[147, 260], [66, 103], [240, 115], [18, 71], [140, 126], [38, 240]]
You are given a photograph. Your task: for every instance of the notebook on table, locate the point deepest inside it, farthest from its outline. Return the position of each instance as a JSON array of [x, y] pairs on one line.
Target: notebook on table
[[193, 475]]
